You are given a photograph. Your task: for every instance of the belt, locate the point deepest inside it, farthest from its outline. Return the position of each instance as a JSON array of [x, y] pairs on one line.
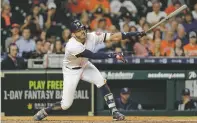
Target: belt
[[75, 68]]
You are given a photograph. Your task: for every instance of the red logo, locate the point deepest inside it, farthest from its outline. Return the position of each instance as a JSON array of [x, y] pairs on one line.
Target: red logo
[[98, 33]]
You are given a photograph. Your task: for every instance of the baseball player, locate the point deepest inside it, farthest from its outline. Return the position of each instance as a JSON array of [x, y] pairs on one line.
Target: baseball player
[[76, 66]]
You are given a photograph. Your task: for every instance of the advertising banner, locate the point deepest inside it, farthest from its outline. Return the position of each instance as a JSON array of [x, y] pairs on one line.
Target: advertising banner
[[25, 94]]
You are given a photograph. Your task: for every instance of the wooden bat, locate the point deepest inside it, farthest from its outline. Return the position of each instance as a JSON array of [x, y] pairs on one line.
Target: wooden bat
[[168, 17]]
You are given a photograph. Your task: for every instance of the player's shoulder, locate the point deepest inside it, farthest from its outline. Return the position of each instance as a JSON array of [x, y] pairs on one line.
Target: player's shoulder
[[72, 42]]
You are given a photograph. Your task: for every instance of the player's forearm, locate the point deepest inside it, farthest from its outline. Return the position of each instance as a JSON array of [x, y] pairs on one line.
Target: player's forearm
[[123, 35], [91, 55]]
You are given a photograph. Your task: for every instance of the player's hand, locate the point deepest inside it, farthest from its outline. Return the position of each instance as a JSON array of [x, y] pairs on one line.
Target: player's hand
[[119, 56], [141, 34]]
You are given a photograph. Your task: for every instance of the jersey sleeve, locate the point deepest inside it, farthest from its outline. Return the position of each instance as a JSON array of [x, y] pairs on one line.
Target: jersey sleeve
[[75, 49], [99, 37]]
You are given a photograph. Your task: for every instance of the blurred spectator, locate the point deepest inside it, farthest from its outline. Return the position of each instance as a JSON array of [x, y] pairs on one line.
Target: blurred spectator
[[181, 34], [14, 37], [112, 29], [12, 62], [186, 103], [191, 48], [6, 16], [43, 36], [156, 50], [34, 21], [172, 26], [85, 20], [126, 20], [58, 47], [167, 45], [145, 27], [117, 5], [140, 48], [36, 14], [95, 4], [50, 18], [102, 24], [98, 15], [25, 43], [157, 34], [141, 22], [47, 48], [175, 5], [190, 23], [178, 50], [154, 16], [38, 52], [77, 6], [65, 36], [125, 103], [194, 12]]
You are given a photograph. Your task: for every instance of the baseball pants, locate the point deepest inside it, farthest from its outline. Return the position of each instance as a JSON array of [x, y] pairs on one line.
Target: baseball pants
[[71, 78]]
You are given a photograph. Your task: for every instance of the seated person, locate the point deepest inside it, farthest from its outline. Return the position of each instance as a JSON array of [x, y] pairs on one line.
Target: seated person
[[186, 103], [12, 62], [124, 102]]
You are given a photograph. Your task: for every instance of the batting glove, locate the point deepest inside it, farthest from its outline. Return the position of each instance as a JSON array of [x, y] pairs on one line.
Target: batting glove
[[119, 56], [141, 34]]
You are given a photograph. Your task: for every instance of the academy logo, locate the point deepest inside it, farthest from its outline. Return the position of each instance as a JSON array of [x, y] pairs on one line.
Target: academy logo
[[166, 75], [117, 75], [192, 75]]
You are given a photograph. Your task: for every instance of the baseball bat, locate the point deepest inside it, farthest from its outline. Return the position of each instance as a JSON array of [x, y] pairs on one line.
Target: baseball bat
[[168, 17]]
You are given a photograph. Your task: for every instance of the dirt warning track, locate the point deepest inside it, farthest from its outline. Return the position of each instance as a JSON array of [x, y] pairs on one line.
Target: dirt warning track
[[99, 119]]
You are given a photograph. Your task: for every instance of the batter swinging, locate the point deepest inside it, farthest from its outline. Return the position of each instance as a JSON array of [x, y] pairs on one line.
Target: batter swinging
[[76, 66]]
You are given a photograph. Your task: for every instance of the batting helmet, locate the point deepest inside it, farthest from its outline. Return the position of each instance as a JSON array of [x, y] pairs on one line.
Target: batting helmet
[[76, 25]]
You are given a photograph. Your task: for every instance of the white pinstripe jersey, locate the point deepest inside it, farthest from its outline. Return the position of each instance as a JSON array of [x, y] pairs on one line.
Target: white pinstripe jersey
[[74, 47]]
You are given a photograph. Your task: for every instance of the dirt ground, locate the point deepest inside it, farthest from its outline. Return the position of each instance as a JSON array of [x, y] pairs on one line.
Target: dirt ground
[[100, 119]]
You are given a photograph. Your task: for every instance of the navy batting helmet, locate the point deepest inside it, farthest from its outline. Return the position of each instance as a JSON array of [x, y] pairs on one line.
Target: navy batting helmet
[[76, 25]]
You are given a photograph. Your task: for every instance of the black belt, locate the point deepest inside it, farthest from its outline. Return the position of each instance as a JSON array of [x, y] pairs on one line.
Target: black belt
[[75, 68]]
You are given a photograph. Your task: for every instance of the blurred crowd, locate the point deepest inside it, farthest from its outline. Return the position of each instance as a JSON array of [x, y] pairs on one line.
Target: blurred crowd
[[33, 28]]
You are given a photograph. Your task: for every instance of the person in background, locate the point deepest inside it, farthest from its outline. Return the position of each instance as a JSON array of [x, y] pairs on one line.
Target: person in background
[[191, 48], [154, 16], [116, 6], [58, 47], [12, 61], [85, 20], [124, 102], [141, 23], [34, 21], [47, 48], [186, 103], [157, 34], [156, 50], [145, 27], [99, 13], [140, 48], [6, 16], [43, 36], [65, 36], [178, 50], [167, 45], [181, 34], [37, 54], [36, 14], [25, 43], [94, 4], [190, 23], [126, 19], [77, 6], [194, 12], [15, 30], [102, 25], [171, 8], [50, 18]]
